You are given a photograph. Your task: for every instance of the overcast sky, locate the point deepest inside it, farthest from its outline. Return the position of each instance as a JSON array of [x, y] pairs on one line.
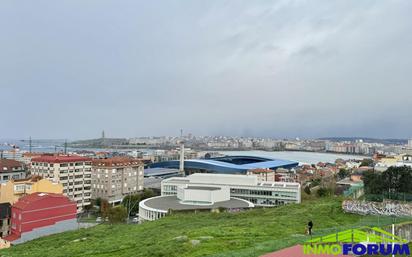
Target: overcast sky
[[69, 69]]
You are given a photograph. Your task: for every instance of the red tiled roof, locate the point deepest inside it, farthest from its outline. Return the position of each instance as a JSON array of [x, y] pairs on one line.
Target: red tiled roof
[[7, 165], [297, 251], [24, 201], [116, 161], [60, 159]]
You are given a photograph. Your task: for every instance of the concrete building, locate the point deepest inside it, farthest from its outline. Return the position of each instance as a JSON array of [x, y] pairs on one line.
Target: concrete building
[[241, 186], [114, 178], [11, 191], [12, 154], [268, 175], [263, 175], [191, 198], [11, 169], [73, 172], [41, 214]]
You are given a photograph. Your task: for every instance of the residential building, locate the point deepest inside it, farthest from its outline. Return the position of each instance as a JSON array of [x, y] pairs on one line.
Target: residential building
[[73, 172], [241, 186], [5, 216], [11, 169], [263, 175], [12, 154], [116, 177], [11, 191], [41, 214]]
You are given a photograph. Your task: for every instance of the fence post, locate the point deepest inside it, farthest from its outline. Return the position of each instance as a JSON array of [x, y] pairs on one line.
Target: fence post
[[352, 235]]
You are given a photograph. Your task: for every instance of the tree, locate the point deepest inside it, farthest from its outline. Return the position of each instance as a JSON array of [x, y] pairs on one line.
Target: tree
[[131, 202], [104, 208], [147, 193], [117, 214], [98, 201], [367, 162], [323, 192], [392, 182], [307, 190], [343, 173]]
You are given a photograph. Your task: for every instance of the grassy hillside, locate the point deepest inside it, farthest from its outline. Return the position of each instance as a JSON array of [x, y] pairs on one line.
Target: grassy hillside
[[250, 233]]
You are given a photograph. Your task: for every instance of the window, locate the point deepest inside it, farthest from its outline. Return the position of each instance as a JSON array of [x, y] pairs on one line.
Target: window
[[19, 188]]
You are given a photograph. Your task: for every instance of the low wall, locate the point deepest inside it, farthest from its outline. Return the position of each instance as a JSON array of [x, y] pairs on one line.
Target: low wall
[[385, 208], [58, 227]]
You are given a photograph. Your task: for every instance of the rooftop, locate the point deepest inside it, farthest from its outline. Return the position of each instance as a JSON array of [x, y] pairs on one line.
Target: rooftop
[[160, 172], [24, 201], [7, 165], [228, 179], [60, 158], [165, 203], [203, 188], [117, 161]]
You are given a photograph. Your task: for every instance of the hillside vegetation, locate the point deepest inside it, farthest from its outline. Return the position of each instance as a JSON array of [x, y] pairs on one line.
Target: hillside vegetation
[[250, 233]]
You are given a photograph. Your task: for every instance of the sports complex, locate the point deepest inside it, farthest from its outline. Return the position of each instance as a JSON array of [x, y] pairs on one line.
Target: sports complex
[[227, 164]]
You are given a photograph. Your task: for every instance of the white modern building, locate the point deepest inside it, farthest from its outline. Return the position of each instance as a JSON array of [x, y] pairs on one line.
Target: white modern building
[[245, 187], [191, 198]]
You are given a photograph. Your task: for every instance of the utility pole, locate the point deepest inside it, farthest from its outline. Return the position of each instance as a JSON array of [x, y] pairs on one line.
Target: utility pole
[[30, 145], [65, 146]]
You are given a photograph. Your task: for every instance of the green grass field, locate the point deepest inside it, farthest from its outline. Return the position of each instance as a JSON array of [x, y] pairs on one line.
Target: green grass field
[[250, 233]]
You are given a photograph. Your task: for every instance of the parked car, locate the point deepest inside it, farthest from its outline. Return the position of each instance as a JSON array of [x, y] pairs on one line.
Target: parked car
[[99, 219]]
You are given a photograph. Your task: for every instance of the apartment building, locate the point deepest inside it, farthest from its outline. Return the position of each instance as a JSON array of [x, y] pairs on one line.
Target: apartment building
[[11, 169], [11, 191], [73, 172], [41, 214], [114, 178]]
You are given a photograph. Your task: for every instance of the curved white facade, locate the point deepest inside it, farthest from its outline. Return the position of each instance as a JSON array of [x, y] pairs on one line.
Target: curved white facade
[[147, 213], [157, 207]]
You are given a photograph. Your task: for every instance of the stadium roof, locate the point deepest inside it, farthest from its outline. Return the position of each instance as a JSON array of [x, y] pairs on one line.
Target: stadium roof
[[229, 164]]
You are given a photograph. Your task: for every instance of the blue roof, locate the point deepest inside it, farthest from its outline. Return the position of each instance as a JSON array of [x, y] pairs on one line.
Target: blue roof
[[229, 164], [157, 172]]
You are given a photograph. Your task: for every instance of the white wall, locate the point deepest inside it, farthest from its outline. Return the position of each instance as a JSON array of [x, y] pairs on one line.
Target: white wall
[[223, 179]]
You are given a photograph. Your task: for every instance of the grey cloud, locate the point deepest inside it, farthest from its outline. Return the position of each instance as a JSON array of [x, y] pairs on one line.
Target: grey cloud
[[69, 69]]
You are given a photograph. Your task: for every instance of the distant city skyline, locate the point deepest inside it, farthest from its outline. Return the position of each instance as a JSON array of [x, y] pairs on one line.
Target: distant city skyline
[[279, 69]]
